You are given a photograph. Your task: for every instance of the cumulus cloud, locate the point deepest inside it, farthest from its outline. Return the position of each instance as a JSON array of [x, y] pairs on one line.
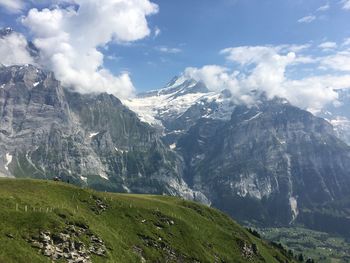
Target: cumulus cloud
[[70, 40], [307, 19], [267, 68], [13, 6], [13, 50]]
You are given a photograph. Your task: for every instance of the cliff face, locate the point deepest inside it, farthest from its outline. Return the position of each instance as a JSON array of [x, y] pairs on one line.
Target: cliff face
[[47, 131], [270, 162]]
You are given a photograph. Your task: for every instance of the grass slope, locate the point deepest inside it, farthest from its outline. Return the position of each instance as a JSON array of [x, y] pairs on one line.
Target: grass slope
[[135, 228]]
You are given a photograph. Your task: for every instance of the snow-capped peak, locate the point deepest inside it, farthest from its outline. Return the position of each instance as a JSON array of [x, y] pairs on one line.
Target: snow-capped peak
[[174, 100]]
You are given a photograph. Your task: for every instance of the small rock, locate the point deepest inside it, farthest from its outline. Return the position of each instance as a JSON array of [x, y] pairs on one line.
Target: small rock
[[48, 251], [37, 244], [9, 235], [78, 245]]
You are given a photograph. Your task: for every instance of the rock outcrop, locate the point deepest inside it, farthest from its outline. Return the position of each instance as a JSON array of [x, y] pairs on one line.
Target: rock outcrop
[[67, 245]]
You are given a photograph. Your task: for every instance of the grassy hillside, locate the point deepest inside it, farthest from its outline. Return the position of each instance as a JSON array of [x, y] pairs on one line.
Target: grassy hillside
[[62, 221]]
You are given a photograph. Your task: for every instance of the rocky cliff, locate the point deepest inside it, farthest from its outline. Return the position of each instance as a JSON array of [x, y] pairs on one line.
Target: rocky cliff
[[47, 131], [268, 162]]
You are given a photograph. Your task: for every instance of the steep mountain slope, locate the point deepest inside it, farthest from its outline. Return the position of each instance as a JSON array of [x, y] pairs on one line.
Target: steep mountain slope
[[46, 131], [273, 160], [76, 225], [269, 162], [179, 105]]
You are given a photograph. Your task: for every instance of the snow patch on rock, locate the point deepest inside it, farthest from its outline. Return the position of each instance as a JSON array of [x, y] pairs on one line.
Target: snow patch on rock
[[93, 134], [84, 179], [8, 161], [293, 207]]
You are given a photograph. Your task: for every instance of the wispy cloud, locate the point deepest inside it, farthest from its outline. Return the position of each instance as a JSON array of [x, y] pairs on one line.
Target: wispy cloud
[[13, 6], [157, 31], [307, 19], [326, 46], [170, 50], [346, 42], [323, 8], [346, 4]]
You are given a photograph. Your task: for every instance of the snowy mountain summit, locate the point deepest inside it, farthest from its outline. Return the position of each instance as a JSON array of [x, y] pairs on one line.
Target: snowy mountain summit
[[181, 98]]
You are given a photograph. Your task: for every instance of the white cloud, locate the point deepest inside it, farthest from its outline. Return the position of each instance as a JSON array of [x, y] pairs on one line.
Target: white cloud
[[307, 19], [328, 46], [13, 6], [340, 61], [323, 8], [157, 31], [266, 68], [169, 50], [346, 4], [13, 50], [70, 40], [346, 42]]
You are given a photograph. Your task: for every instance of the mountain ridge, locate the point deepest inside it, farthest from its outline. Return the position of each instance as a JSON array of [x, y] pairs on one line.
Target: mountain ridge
[[87, 139], [245, 160], [278, 135]]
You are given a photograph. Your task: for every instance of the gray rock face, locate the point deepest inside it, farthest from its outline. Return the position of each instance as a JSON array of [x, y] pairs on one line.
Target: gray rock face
[[268, 163], [47, 131]]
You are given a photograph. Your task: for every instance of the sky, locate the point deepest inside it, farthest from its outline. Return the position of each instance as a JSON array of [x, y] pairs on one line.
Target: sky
[[299, 49]]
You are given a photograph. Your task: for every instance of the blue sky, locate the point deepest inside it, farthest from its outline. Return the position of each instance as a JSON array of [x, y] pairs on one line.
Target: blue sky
[[193, 33], [201, 28]]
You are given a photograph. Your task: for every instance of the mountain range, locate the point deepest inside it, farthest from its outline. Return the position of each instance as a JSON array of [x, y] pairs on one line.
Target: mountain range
[[269, 163]]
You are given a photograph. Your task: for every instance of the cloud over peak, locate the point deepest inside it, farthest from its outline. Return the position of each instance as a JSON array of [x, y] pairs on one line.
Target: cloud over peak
[[14, 50], [71, 34], [269, 69]]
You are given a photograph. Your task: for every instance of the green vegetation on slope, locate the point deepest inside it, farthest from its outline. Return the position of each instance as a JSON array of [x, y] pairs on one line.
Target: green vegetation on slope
[[132, 228], [323, 247]]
